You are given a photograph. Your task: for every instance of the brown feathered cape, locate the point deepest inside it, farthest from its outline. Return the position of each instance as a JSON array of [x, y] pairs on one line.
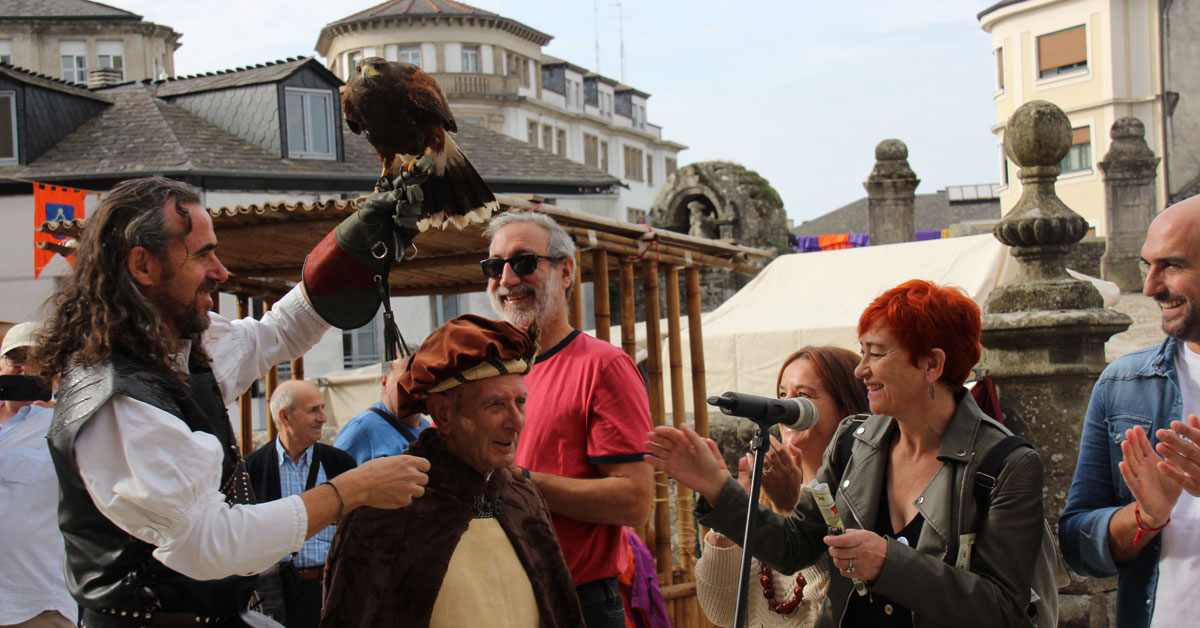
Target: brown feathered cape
[[385, 567]]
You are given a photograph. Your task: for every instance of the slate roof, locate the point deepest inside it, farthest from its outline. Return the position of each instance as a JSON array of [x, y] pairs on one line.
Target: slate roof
[[427, 8], [48, 82], [143, 133], [932, 211], [251, 75], [62, 9]]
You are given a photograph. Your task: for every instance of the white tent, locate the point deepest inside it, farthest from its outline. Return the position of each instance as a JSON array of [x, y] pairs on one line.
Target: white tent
[[816, 299]]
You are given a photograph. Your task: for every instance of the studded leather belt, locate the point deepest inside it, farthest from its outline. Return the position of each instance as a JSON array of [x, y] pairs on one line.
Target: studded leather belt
[[112, 618]]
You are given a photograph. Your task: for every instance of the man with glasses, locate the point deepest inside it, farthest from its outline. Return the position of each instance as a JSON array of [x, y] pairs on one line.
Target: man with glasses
[[587, 402], [33, 588]]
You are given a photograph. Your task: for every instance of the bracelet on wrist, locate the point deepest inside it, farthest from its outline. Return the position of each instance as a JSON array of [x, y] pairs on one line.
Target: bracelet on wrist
[[341, 502], [1137, 516]]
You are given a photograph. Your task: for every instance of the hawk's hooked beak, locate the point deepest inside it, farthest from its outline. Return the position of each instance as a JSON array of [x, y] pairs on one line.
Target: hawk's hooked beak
[[369, 72]]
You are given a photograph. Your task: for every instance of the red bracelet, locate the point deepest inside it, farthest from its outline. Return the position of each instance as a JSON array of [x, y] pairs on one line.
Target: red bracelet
[[1137, 516]]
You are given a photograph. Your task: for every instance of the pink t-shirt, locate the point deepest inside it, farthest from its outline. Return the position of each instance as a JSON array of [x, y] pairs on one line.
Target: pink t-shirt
[[587, 406]]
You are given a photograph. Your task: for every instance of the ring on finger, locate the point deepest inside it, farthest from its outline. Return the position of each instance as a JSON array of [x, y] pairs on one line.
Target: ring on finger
[[768, 469], [849, 565]]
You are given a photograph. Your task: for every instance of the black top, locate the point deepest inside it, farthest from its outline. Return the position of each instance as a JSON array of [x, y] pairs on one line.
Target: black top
[[263, 466], [874, 609]]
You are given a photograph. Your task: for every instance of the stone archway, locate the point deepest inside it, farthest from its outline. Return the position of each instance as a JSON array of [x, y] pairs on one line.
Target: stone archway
[[722, 200]]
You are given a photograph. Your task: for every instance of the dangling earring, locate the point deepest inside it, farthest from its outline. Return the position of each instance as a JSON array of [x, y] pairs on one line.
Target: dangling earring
[[931, 393]]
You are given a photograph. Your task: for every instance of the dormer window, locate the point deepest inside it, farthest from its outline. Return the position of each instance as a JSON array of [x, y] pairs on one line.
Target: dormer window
[[6, 51], [8, 128], [310, 119]]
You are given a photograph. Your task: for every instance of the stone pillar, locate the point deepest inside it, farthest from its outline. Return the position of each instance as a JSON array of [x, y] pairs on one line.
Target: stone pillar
[[1045, 332], [890, 195], [1129, 170]]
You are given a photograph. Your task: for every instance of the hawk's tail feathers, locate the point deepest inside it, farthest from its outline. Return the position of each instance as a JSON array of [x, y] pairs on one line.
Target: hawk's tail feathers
[[457, 194]]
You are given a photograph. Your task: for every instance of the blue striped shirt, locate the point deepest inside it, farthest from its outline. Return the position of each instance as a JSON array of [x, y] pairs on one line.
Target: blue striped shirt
[[292, 476]]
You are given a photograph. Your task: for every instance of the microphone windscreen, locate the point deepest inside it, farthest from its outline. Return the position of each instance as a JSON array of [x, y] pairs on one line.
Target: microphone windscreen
[[807, 417]]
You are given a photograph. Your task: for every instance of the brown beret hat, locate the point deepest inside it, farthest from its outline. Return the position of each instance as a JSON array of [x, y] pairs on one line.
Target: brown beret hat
[[464, 349]]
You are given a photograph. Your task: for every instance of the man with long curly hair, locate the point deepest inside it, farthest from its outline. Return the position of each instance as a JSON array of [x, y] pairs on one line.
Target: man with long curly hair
[[160, 524]]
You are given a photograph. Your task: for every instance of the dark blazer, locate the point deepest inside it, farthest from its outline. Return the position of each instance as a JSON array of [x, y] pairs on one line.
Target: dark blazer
[[263, 466]]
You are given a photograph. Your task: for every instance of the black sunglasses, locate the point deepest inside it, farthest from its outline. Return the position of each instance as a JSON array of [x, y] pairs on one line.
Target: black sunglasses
[[493, 267]]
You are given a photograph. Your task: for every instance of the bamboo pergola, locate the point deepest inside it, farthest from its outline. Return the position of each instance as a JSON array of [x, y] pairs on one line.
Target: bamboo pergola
[[264, 246]]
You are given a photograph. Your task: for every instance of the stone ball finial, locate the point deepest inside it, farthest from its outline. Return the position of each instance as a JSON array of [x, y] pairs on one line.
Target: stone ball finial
[[891, 162], [891, 150], [1038, 134], [1127, 128]]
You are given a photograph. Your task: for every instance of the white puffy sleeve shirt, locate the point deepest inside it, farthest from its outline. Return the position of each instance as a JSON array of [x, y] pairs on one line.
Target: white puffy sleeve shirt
[[155, 478]]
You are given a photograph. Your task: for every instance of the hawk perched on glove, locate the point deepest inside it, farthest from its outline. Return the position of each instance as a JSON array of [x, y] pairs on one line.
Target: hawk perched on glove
[[403, 113]]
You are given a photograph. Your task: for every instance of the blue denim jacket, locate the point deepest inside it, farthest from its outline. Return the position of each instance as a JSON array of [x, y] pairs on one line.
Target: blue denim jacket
[[1141, 388]]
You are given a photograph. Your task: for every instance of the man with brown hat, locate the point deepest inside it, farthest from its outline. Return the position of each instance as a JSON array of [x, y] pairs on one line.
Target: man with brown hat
[[479, 547]]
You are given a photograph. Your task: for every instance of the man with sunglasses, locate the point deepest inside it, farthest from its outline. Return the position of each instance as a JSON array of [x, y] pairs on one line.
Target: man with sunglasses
[[587, 401]]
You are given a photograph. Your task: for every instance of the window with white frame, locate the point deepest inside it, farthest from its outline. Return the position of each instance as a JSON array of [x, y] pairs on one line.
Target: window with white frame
[[560, 147], [591, 150], [548, 137], [8, 127], [670, 165], [470, 58], [361, 347], [6, 51], [633, 163], [159, 73], [1062, 52], [111, 55], [531, 132], [407, 54], [310, 123], [604, 155], [1079, 158], [999, 53], [649, 169], [74, 61]]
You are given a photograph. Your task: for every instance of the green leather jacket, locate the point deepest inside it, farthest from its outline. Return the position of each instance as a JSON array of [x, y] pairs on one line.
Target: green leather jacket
[[994, 592]]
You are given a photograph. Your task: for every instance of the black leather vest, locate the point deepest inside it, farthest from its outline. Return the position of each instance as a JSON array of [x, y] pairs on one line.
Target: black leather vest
[[106, 567]]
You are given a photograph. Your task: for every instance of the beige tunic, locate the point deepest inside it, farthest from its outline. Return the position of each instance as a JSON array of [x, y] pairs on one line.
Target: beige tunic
[[485, 583]]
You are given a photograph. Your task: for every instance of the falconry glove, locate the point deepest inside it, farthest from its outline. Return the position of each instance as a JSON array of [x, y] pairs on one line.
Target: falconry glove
[[342, 273]]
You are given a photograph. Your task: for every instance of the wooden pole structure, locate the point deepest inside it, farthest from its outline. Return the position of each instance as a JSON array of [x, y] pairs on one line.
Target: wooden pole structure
[[629, 345], [272, 384], [683, 495], [298, 368], [244, 399], [662, 508], [600, 293], [699, 385], [576, 305], [696, 340]]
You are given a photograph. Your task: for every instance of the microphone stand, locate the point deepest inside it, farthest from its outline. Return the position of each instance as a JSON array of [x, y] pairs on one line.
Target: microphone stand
[[760, 445]]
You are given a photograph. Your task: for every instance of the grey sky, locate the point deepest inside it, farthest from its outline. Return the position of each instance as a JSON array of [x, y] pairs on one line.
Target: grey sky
[[800, 90]]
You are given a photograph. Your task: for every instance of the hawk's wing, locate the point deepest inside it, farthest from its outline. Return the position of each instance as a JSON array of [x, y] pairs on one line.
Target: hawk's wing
[[424, 93]]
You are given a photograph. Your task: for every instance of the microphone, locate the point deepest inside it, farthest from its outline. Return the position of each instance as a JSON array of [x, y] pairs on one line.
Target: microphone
[[796, 413]]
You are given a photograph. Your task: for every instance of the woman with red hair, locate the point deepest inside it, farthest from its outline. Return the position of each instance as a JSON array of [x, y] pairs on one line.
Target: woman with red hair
[[904, 481]]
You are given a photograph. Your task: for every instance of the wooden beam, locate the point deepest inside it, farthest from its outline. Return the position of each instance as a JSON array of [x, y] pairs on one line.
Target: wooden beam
[[575, 307], [662, 506], [683, 495], [600, 293], [696, 344], [244, 399], [272, 383], [298, 368]]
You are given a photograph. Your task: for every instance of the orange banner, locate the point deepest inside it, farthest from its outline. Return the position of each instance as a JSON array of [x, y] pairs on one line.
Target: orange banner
[[51, 203]]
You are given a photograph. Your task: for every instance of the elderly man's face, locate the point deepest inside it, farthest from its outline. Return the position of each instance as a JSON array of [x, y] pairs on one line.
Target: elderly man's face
[[482, 427], [304, 420], [390, 386]]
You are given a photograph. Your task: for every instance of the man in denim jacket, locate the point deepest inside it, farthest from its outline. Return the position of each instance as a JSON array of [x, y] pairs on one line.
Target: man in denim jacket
[[1124, 495]]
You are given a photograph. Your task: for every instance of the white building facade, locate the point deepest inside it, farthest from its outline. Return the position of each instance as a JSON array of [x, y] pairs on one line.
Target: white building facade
[[494, 74]]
